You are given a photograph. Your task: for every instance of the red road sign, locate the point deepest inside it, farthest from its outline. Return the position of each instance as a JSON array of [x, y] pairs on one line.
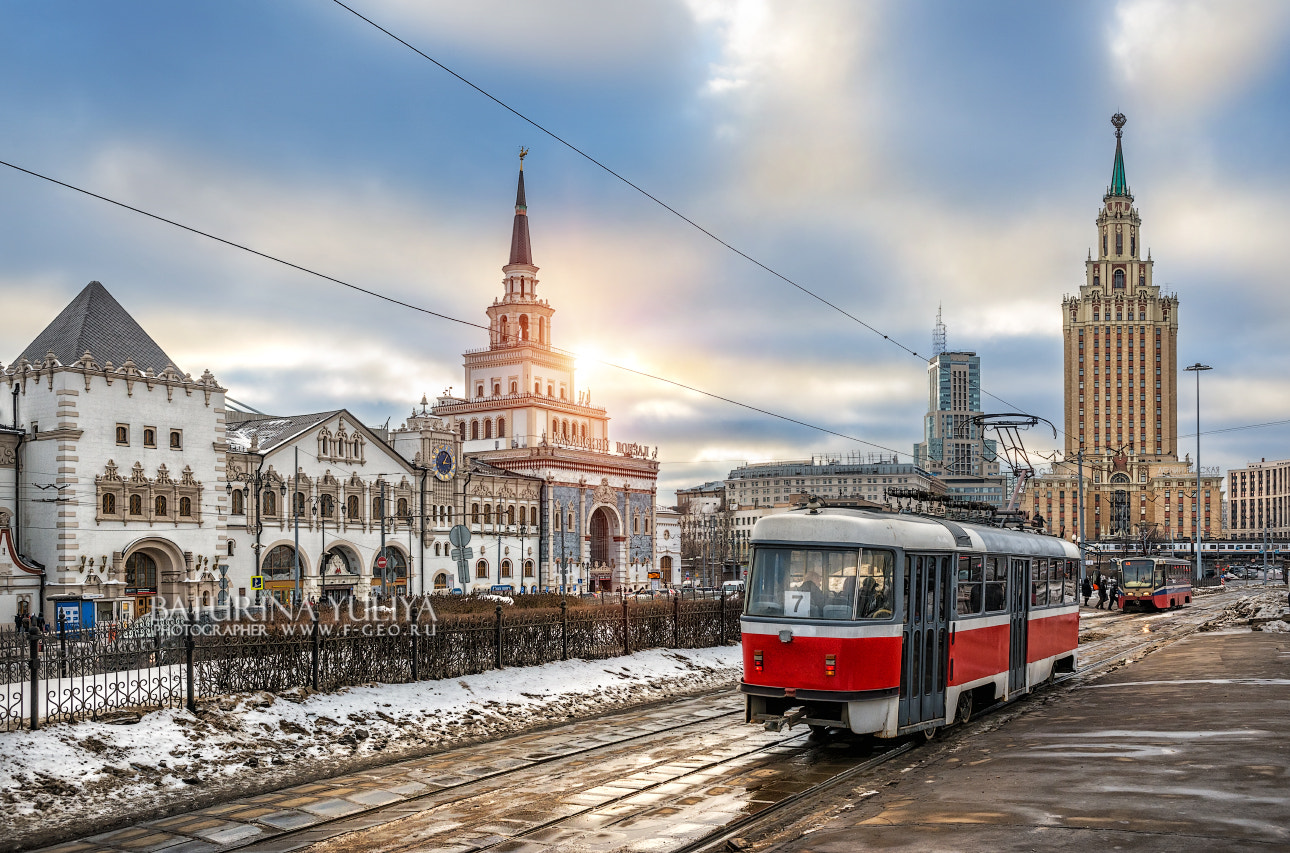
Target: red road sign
[[381, 562]]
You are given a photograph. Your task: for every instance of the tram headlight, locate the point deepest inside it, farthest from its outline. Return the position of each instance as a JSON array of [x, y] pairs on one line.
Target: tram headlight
[[830, 665]]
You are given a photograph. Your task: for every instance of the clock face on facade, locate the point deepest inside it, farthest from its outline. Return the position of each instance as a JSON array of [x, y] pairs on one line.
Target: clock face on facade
[[445, 464]]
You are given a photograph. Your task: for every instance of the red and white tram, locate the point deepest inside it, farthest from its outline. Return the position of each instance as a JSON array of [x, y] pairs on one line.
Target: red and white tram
[[1159, 582], [888, 624]]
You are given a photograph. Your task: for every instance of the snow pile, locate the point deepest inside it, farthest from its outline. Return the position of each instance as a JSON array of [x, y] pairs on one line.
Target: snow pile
[[1277, 626], [63, 778], [1258, 610], [503, 599]]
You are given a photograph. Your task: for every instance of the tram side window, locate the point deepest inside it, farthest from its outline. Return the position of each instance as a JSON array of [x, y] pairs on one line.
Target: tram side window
[[876, 587], [1056, 573], [1069, 594], [971, 585], [996, 584], [1039, 582]]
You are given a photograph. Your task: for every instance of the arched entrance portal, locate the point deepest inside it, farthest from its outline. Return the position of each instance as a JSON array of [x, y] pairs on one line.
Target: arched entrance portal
[[602, 544]]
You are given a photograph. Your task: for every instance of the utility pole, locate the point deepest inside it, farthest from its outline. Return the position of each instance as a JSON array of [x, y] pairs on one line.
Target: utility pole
[[1197, 368], [1079, 461]]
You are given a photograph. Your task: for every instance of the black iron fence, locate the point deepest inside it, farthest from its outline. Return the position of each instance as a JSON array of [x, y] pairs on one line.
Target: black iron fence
[[90, 673]]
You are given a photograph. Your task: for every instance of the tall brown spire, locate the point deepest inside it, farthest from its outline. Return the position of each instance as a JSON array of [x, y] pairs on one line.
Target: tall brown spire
[[521, 250]]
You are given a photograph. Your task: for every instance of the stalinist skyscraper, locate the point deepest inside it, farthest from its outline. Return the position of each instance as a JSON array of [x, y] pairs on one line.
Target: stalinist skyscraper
[[1121, 340], [1120, 381]]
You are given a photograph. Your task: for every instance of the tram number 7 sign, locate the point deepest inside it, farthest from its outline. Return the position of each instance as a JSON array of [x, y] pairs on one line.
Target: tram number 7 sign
[[797, 603]]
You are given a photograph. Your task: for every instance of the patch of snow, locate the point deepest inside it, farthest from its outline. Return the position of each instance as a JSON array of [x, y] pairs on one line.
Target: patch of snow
[[67, 776]]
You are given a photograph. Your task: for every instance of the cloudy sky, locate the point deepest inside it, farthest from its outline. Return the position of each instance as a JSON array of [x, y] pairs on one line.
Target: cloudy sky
[[888, 156]]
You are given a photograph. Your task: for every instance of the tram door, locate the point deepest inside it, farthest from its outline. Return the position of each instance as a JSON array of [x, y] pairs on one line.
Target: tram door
[[1018, 610], [925, 638]]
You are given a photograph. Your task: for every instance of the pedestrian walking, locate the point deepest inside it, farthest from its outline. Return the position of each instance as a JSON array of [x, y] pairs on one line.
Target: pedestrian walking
[[1087, 590], [1114, 595], [1101, 593]]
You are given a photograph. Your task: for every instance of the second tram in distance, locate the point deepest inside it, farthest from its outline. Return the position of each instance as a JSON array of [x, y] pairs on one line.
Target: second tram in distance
[[1159, 582], [888, 624]]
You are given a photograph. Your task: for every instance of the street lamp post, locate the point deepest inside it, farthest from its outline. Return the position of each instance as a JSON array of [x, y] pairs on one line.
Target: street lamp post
[[250, 482], [1197, 368], [524, 532]]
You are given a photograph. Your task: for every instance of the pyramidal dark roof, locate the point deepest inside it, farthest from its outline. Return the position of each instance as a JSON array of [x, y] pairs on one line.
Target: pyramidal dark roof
[[96, 322], [521, 250]]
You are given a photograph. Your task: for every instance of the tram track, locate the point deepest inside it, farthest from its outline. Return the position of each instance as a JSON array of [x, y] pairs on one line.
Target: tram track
[[353, 831], [326, 823], [720, 836]]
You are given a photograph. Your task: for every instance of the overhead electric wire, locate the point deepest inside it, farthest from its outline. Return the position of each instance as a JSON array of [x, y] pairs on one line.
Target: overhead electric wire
[[377, 295], [628, 182], [669, 208]]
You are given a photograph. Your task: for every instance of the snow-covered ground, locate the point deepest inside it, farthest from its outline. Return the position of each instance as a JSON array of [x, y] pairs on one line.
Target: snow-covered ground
[[75, 773]]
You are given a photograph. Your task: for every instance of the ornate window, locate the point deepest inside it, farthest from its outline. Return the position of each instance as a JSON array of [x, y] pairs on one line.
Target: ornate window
[[441, 581], [474, 513], [528, 568], [299, 504], [510, 514], [351, 507], [1119, 279], [141, 573], [239, 503], [461, 430], [279, 563], [524, 327], [186, 507], [328, 505], [109, 504], [122, 434], [488, 429], [533, 522], [436, 549], [514, 387], [149, 437], [481, 569], [231, 545], [176, 439], [474, 430], [497, 389], [161, 505], [269, 502], [506, 568], [402, 510], [501, 427], [1119, 242], [488, 513], [136, 505], [377, 509]]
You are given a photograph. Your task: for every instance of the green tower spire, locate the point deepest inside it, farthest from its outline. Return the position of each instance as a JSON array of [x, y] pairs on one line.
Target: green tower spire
[[1118, 185]]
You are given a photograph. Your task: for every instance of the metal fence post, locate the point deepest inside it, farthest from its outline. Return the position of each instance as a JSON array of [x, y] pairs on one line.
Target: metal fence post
[[564, 629], [499, 636], [190, 646], [34, 687], [416, 668], [676, 621], [627, 637], [315, 652], [62, 644], [721, 620]]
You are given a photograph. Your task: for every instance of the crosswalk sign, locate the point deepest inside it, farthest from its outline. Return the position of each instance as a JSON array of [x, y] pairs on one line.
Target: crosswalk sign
[[257, 581]]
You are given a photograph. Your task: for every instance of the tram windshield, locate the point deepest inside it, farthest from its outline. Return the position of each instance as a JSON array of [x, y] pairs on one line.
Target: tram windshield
[[1138, 574], [820, 583]]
